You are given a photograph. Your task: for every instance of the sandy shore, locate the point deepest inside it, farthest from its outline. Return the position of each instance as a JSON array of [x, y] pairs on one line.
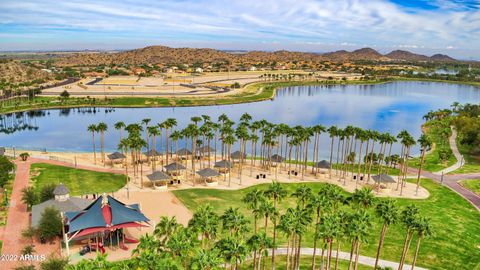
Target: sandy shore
[[155, 202]]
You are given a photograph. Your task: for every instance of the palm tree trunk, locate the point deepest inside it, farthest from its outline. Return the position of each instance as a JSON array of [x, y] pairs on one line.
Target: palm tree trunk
[[417, 248], [380, 244], [357, 255], [406, 246], [352, 250], [337, 253], [420, 171], [94, 151]]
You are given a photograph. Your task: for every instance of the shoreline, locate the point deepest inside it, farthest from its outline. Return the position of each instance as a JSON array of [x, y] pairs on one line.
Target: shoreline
[[262, 91]]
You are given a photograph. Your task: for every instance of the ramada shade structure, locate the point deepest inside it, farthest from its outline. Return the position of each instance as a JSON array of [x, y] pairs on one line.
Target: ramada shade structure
[[208, 173], [224, 164], [277, 158], [152, 153], [237, 155], [104, 214], [116, 155], [383, 178], [183, 152], [323, 164], [174, 167], [205, 149], [158, 176]]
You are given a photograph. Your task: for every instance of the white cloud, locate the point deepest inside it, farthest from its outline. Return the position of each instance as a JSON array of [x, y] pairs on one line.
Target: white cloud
[[345, 22]]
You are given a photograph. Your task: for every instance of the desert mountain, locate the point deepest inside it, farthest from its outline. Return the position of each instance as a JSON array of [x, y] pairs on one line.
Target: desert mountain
[[166, 55]]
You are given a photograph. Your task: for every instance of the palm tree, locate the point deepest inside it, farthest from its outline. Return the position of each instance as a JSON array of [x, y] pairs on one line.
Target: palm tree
[[387, 210], [333, 131], [102, 128], [167, 124], [93, 128], [276, 192], [234, 222], [302, 218], [229, 140], [205, 222], [363, 197], [253, 199], [321, 204], [424, 229], [206, 259], [153, 132], [409, 219], [120, 126], [165, 228], [303, 194], [267, 210], [424, 142], [359, 228]]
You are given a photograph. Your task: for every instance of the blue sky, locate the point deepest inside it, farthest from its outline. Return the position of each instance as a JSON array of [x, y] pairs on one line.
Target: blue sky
[[438, 26]]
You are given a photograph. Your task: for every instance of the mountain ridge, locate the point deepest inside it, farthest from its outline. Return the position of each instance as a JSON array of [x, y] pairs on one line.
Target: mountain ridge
[[159, 54]]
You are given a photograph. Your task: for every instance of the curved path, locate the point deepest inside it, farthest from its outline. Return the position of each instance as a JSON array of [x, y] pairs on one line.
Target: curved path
[[369, 261], [451, 180]]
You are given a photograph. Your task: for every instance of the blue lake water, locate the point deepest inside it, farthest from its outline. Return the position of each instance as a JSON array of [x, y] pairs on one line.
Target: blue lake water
[[384, 107]]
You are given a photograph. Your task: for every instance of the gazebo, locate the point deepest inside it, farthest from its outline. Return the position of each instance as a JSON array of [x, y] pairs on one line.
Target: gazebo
[[152, 153], [208, 175], [173, 169], [204, 151], [223, 166], [159, 177], [115, 157], [385, 179], [183, 153], [237, 155], [106, 218], [323, 164], [277, 158]]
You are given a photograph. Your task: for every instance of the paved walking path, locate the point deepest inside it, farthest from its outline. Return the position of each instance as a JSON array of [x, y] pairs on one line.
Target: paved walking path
[[453, 145], [369, 261], [17, 219], [451, 181]]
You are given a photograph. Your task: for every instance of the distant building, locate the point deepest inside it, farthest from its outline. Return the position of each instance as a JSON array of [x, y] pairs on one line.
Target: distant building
[[253, 68], [199, 70]]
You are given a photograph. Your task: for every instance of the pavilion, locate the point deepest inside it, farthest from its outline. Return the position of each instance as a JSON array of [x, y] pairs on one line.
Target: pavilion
[[237, 155], [383, 179], [115, 157], [103, 217], [159, 177], [183, 153], [209, 176], [61, 202], [223, 165]]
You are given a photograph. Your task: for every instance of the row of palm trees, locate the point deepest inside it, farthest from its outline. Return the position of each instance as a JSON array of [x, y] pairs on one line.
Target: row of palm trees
[[212, 241], [352, 149]]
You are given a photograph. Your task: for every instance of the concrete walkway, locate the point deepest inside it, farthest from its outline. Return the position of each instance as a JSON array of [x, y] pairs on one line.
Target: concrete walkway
[[451, 180], [369, 261], [453, 145]]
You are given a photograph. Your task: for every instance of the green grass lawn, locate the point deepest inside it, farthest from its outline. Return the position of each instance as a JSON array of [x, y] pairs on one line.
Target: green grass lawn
[[456, 244], [473, 185], [3, 209], [305, 263], [78, 181]]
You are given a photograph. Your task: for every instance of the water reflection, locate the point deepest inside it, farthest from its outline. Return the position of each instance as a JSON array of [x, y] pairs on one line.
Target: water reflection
[[385, 107]]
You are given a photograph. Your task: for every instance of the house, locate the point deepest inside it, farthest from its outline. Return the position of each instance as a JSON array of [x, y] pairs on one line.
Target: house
[[253, 68], [199, 70]]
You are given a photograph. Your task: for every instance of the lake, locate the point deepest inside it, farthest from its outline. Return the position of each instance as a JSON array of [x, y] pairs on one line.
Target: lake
[[384, 107]]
